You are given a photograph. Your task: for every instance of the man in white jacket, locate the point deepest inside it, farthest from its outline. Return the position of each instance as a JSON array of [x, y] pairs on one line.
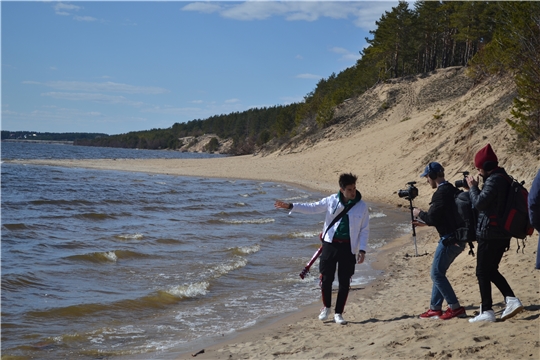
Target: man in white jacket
[[344, 243]]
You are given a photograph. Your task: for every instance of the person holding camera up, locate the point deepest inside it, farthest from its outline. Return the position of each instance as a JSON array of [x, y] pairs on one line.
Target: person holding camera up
[[443, 215], [493, 241], [534, 211], [344, 240]]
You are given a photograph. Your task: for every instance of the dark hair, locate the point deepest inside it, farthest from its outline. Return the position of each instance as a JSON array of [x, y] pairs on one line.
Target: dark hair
[[346, 180]]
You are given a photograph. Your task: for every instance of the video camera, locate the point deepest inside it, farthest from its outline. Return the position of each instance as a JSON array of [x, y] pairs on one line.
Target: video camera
[[463, 182], [410, 193]]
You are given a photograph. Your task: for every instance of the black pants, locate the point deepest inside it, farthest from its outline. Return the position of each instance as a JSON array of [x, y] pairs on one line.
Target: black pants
[[336, 255], [488, 257]]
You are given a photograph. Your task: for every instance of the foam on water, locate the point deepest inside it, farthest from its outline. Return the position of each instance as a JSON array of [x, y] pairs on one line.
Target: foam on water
[[190, 290], [305, 234], [248, 249], [376, 215], [130, 236], [248, 221], [110, 255], [222, 269]]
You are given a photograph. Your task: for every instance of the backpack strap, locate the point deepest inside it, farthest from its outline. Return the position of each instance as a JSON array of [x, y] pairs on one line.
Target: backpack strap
[[337, 218]]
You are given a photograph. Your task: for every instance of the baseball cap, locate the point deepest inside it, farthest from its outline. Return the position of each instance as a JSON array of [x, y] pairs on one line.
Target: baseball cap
[[433, 167]]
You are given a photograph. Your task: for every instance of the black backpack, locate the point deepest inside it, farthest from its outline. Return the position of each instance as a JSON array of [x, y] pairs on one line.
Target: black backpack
[[468, 217]]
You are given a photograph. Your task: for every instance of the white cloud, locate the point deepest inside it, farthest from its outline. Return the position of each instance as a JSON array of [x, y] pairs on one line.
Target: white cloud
[[196, 101], [346, 55], [99, 98], [308, 76], [203, 7], [99, 87], [363, 13], [231, 101], [291, 99], [84, 18], [65, 9], [170, 110], [339, 50]]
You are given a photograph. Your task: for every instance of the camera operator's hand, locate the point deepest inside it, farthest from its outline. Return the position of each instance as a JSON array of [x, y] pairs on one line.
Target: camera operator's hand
[[416, 212], [472, 181], [419, 223]]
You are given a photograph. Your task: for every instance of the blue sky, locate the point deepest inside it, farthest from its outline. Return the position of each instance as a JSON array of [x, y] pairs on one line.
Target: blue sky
[[116, 67]]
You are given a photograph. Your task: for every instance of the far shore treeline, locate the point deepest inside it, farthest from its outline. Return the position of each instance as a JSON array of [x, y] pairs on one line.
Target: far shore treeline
[[49, 136], [490, 38]]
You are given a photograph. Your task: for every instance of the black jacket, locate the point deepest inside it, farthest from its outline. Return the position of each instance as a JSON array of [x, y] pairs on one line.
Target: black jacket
[[490, 202], [442, 211]]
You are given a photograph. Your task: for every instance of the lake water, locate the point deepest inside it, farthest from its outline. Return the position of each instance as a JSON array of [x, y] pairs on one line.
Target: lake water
[[122, 265]]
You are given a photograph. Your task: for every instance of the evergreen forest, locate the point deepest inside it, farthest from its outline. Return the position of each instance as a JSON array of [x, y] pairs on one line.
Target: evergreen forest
[[491, 38]]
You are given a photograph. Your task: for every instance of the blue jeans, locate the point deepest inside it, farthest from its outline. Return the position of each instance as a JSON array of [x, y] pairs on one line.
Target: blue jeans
[[442, 290]]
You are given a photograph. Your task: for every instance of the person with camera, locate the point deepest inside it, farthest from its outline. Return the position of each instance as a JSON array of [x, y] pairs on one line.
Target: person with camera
[[493, 241], [344, 240], [534, 211], [443, 215]]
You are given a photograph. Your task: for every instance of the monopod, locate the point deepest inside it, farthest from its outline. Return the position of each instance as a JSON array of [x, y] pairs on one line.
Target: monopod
[[413, 227]]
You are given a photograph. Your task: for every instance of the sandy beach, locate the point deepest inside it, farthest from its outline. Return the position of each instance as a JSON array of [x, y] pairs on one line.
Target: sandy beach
[[386, 154], [383, 316]]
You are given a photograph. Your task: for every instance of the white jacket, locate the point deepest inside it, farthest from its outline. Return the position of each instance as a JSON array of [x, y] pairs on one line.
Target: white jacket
[[358, 219]]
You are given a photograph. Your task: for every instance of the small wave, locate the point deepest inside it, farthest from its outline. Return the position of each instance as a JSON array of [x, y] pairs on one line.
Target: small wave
[[96, 216], [240, 204], [298, 197], [15, 282], [108, 256], [404, 228], [376, 243], [156, 300], [246, 250], [168, 241], [189, 291], [362, 280], [136, 236], [222, 269], [13, 227], [244, 195], [237, 213], [253, 221], [60, 202], [377, 215], [305, 234], [96, 257]]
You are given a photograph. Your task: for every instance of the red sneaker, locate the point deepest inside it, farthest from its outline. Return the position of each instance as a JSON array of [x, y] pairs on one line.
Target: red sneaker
[[449, 313], [431, 314]]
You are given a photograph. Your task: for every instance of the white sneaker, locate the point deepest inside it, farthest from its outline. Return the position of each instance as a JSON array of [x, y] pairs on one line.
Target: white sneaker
[[339, 319], [513, 307], [484, 316], [324, 313]]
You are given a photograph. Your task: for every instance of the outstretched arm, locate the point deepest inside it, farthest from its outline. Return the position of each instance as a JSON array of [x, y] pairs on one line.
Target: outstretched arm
[[282, 205]]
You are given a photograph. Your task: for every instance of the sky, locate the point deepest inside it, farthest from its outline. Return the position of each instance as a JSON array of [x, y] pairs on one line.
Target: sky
[[115, 67]]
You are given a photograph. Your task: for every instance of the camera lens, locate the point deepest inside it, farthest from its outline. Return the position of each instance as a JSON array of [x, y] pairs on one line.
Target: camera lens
[[459, 183]]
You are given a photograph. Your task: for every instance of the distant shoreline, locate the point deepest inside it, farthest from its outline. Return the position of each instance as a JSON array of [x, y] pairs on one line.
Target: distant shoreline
[[66, 142]]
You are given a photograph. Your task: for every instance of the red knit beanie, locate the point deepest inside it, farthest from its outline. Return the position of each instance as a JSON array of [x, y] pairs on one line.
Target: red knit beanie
[[486, 159]]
